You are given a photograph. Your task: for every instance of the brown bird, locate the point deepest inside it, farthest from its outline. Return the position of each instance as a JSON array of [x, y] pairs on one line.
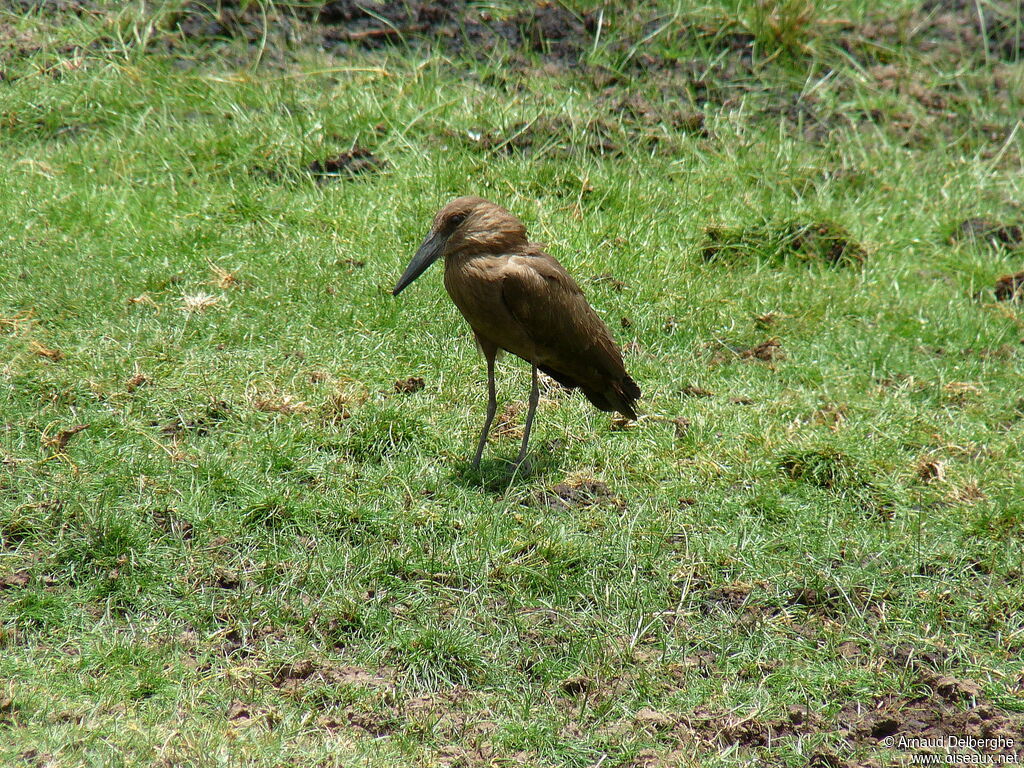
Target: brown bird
[[517, 298]]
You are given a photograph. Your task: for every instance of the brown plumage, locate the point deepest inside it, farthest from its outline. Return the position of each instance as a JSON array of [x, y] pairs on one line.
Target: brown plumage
[[518, 298]]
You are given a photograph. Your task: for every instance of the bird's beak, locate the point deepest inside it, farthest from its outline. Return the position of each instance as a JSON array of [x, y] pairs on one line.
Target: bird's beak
[[427, 254]]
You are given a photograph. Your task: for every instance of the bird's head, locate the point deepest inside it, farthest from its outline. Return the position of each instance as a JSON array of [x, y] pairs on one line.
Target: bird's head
[[465, 225]]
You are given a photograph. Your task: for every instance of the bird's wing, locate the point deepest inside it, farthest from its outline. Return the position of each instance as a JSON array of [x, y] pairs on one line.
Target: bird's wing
[[568, 335]]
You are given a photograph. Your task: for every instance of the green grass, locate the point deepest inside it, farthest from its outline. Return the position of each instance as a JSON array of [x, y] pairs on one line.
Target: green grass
[[252, 493]]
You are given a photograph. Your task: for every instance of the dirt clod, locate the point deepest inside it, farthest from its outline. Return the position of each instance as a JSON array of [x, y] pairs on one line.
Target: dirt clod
[[1010, 287], [346, 165], [136, 381], [692, 390], [410, 385], [767, 351], [14, 580], [47, 352]]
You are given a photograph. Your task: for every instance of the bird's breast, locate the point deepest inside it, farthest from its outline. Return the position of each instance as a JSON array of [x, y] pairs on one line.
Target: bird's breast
[[475, 285]]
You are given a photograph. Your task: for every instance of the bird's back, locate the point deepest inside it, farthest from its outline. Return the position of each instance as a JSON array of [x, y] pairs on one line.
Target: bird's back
[[525, 302]]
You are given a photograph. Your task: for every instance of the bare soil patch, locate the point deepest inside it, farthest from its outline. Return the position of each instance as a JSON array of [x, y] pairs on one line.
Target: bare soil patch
[[580, 493], [294, 676], [983, 230], [951, 707]]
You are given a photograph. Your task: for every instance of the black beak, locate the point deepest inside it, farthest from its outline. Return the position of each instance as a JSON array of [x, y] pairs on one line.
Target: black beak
[[427, 254]]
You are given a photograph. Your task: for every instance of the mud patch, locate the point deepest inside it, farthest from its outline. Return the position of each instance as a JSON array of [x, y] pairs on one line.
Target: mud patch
[[200, 22], [577, 495], [548, 29], [780, 242], [357, 161]]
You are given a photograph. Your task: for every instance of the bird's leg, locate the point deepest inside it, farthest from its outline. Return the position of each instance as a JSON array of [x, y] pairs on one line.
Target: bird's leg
[[534, 398], [492, 405]]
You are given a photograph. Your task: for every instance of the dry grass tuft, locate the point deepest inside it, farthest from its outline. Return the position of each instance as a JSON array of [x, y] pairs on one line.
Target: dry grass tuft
[[59, 442], [277, 403], [199, 302], [47, 352], [222, 278]]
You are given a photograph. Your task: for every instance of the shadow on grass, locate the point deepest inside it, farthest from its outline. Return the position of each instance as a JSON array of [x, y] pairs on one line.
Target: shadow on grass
[[497, 475]]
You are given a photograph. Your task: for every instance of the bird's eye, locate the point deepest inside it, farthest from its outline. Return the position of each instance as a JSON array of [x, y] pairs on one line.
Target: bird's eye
[[457, 219]]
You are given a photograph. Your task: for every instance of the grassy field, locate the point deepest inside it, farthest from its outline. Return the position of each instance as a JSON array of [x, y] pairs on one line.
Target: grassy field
[[238, 524]]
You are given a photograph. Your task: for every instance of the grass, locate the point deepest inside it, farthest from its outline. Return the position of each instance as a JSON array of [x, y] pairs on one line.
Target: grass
[[260, 552]]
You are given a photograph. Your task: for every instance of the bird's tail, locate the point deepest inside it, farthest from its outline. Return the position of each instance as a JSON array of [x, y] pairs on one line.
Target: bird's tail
[[621, 397], [627, 393]]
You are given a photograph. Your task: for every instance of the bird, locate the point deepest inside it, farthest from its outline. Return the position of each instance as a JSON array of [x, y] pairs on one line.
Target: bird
[[518, 298]]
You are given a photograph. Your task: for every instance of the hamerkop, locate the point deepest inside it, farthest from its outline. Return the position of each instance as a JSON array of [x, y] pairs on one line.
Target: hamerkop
[[517, 298]]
